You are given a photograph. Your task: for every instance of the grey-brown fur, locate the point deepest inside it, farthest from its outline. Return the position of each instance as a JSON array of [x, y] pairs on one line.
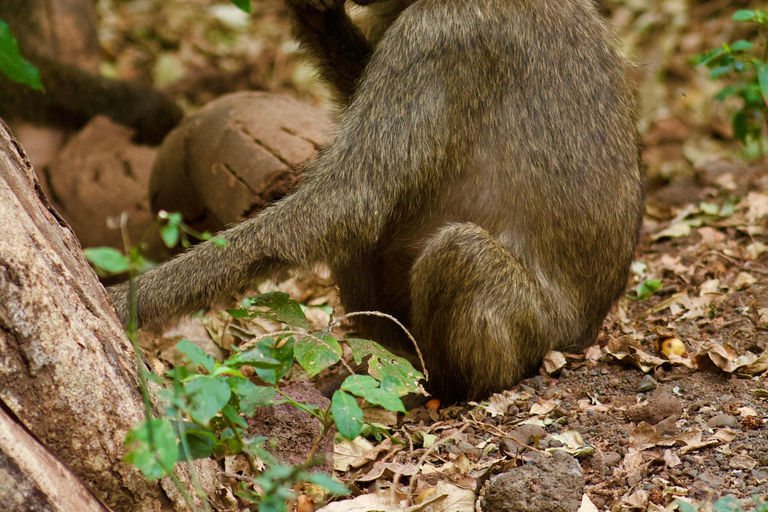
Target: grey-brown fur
[[484, 187]]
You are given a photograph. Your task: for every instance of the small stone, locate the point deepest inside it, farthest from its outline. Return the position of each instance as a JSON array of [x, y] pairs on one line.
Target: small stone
[[545, 484], [660, 406], [614, 382], [759, 475], [539, 382], [667, 426], [691, 472], [527, 434], [611, 459], [723, 420], [742, 462], [711, 480], [646, 384]]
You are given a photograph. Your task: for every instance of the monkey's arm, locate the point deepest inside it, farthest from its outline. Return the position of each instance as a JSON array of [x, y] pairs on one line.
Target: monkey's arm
[[387, 158], [334, 44]]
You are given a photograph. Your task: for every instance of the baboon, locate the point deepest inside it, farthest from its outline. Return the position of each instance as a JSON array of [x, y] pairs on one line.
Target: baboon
[[484, 187]]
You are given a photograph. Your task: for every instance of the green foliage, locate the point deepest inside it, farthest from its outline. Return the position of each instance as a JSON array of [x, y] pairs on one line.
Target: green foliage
[[645, 289], [725, 504], [748, 75], [206, 401], [243, 5], [215, 396], [174, 230], [12, 64]]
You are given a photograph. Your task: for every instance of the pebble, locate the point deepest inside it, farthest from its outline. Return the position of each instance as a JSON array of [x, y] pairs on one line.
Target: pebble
[[723, 420], [667, 426], [539, 382], [646, 384], [610, 459], [711, 480]]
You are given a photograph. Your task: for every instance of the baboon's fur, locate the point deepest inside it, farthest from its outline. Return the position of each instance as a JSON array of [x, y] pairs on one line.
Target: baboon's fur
[[484, 187]]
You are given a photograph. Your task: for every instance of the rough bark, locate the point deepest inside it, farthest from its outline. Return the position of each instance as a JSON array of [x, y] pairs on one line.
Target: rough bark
[[31, 478], [66, 368]]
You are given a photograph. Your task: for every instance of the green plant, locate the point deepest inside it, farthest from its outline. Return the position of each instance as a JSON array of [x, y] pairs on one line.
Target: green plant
[[205, 400], [724, 504], [12, 64], [749, 76], [645, 289]]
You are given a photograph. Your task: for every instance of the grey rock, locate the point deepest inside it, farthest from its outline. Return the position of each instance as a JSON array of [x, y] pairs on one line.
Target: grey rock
[[647, 384], [546, 484], [723, 420]]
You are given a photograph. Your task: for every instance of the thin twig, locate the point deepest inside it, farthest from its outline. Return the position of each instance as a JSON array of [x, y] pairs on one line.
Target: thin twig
[[396, 321]]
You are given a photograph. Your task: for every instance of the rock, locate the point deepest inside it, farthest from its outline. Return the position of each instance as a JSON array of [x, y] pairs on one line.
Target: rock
[[525, 434], [611, 459], [539, 382], [742, 462], [667, 426], [660, 406], [546, 484], [710, 480], [236, 155], [723, 420], [291, 431], [646, 384]]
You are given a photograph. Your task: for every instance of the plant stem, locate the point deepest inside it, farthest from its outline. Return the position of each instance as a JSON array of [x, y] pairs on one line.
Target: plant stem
[[248, 457]]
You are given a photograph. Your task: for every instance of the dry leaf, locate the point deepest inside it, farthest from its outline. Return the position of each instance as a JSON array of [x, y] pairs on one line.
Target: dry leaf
[[553, 362], [587, 505]]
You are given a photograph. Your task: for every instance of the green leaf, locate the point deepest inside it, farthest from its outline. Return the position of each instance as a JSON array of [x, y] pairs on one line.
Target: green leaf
[[196, 354], [359, 384], [207, 396], [706, 58], [744, 15], [315, 355], [232, 415], [347, 415], [107, 259], [685, 507], [170, 235], [282, 353], [762, 79], [155, 459], [718, 71], [368, 388], [727, 504], [201, 443], [326, 482], [253, 357], [243, 5], [740, 126], [742, 45], [729, 91], [646, 289], [13, 65], [383, 365], [281, 308], [250, 395]]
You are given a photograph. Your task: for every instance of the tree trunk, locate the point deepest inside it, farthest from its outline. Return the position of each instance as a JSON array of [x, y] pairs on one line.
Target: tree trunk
[[31, 478], [66, 368]]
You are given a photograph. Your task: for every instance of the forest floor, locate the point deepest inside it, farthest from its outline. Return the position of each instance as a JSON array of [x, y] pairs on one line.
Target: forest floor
[[647, 427]]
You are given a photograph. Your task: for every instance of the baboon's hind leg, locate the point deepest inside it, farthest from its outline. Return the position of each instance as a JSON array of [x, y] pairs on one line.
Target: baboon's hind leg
[[477, 313]]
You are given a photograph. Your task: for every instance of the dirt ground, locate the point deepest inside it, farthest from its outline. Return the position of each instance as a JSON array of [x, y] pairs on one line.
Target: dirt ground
[[647, 427]]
